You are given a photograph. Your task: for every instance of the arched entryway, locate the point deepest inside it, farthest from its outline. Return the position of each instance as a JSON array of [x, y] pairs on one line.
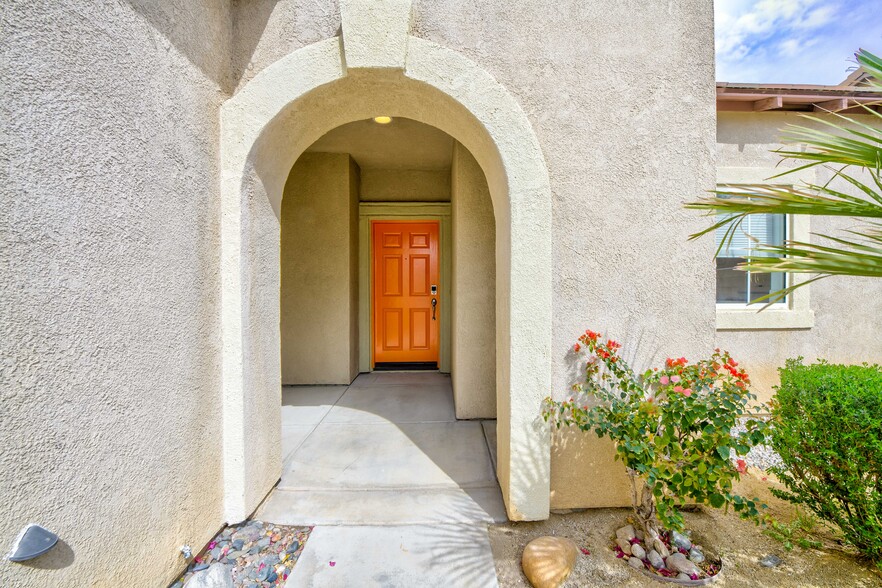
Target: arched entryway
[[377, 68]]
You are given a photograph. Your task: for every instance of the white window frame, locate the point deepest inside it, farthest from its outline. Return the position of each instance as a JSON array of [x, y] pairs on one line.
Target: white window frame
[[795, 312]]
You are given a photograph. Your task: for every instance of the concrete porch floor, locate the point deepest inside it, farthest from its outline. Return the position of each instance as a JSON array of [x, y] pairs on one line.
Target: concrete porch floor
[[400, 492]]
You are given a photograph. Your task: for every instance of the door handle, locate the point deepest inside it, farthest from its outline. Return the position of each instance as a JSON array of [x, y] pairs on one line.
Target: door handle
[[434, 304]]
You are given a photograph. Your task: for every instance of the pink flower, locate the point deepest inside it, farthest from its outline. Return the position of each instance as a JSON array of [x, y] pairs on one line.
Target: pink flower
[[741, 465], [675, 379], [678, 388], [664, 380], [332, 563], [687, 392]]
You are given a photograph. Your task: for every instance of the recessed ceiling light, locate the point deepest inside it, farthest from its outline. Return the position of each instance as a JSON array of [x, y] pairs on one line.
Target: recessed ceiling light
[[382, 120]]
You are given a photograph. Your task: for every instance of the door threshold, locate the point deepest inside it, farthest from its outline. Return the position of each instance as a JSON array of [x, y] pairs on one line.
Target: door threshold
[[409, 366]]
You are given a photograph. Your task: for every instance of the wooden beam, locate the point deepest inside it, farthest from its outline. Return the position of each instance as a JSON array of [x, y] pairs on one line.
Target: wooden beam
[[831, 105], [768, 104]]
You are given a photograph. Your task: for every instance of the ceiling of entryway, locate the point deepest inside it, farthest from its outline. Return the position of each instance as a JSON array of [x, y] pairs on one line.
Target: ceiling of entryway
[[402, 144]]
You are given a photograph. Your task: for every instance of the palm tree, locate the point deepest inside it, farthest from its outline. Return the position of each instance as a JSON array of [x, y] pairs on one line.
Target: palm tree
[[851, 148]]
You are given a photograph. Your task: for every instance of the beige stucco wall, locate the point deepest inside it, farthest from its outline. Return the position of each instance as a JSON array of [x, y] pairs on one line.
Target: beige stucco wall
[[473, 334], [405, 185], [627, 136], [319, 267], [110, 425], [625, 147], [745, 140]]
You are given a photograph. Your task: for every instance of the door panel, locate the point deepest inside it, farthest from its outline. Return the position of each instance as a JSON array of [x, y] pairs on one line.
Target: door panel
[[405, 267]]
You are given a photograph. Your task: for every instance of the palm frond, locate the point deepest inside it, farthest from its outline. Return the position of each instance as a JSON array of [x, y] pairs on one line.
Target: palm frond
[[838, 142]]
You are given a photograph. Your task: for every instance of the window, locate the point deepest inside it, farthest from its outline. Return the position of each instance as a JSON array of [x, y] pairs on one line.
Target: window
[[735, 288], [739, 287]]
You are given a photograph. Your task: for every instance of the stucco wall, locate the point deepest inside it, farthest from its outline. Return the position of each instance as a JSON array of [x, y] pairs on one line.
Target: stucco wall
[[847, 311], [266, 30], [110, 422], [319, 267], [405, 185], [474, 290], [627, 131]]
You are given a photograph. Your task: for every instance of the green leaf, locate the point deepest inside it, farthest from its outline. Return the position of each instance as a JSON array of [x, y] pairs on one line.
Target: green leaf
[[723, 451], [717, 500]]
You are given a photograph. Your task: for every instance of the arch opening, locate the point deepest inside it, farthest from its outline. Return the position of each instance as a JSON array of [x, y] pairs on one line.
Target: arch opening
[[265, 129]]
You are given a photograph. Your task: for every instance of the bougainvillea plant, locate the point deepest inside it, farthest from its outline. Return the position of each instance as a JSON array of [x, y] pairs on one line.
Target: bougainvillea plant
[[673, 428]]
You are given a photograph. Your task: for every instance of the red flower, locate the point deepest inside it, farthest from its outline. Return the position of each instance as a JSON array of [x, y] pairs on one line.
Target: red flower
[[741, 465], [577, 348]]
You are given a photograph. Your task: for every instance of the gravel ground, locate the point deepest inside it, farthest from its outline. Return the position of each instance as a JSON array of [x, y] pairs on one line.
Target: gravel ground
[[761, 457], [255, 554], [741, 545]]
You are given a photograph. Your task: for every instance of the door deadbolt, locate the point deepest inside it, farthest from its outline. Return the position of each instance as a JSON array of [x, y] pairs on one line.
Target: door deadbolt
[[434, 289]]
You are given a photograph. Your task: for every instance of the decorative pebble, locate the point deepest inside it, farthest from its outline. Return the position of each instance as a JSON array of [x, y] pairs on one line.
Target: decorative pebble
[[681, 541], [682, 576], [655, 559], [250, 554], [770, 561], [696, 555], [636, 563], [638, 551], [216, 576], [624, 536], [678, 563], [660, 547], [547, 561]]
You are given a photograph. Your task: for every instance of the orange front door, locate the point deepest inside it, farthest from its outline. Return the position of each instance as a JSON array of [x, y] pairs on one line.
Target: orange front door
[[405, 275]]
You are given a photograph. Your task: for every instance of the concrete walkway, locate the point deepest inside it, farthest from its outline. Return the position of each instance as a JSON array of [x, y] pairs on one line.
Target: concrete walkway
[[400, 492]]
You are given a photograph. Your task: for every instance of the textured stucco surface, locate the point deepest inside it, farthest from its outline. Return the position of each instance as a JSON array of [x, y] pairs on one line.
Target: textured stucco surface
[[847, 311], [627, 130], [264, 31], [292, 103], [115, 293], [319, 267], [474, 290], [111, 416], [405, 185]]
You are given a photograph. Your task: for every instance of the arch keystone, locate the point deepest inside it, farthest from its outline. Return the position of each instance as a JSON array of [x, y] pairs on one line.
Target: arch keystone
[[375, 33]]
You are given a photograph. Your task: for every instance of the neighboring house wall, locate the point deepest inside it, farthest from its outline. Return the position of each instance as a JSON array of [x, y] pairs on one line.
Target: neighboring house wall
[[110, 425], [746, 140], [474, 290], [319, 264]]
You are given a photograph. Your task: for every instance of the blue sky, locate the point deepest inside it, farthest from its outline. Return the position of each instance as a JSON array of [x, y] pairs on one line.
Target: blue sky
[[793, 41]]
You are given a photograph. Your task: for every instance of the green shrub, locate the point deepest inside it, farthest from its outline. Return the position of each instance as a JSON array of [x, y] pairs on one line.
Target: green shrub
[[827, 428]]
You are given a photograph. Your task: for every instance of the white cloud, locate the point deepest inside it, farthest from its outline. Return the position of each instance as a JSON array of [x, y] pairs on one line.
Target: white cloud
[[793, 41]]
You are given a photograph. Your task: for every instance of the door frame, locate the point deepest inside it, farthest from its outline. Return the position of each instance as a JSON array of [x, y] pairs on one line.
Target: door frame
[[402, 211]]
